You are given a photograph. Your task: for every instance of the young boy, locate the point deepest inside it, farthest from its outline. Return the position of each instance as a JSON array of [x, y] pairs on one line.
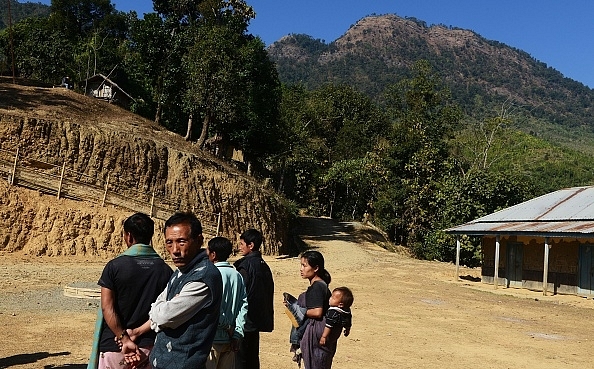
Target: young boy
[[259, 287], [338, 315]]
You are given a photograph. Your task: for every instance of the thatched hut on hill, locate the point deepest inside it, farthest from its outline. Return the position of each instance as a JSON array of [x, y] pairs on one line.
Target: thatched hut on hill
[[101, 87], [546, 243]]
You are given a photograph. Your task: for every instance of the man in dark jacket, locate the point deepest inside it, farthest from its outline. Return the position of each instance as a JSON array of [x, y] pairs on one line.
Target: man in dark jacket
[[260, 295]]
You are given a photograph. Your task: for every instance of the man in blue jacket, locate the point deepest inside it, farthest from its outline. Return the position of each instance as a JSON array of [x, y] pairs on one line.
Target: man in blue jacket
[[234, 307], [186, 314]]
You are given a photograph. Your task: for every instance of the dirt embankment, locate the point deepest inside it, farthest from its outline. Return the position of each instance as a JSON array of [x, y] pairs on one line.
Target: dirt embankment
[[103, 141]]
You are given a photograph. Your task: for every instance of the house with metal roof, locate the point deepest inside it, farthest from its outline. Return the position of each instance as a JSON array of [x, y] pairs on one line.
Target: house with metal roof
[[546, 243]]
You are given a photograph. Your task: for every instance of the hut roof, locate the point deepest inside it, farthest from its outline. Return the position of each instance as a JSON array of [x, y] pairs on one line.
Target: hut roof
[[102, 78], [564, 213]]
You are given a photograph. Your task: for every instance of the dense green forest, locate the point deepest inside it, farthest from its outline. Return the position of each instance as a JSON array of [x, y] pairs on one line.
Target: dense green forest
[[408, 149], [20, 11]]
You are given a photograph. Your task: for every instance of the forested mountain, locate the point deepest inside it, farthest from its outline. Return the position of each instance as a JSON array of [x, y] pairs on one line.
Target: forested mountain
[[482, 74], [20, 11]]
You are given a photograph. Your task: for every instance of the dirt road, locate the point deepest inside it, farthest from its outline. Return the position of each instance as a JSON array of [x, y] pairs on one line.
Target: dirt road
[[407, 313]]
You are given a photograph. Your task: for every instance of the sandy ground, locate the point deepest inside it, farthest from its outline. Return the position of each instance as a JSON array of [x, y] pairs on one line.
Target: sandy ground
[[407, 313]]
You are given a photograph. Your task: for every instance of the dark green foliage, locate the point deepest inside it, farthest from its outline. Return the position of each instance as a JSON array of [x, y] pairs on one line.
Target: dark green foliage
[[79, 18], [260, 133], [460, 199], [329, 161], [423, 116], [20, 11], [147, 61], [39, 51], [78, 39]]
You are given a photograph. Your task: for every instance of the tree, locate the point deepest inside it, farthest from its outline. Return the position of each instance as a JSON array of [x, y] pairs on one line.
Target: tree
[[423, 116], [154, 64], [215, 87], [478, 146], [331, 129], [353, 184], [40, 52], [78, 18], [260, 134], [230, 12], [461, 199]]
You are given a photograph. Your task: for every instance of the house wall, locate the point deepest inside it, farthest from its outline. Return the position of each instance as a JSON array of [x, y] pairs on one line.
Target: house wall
[[563, 264]]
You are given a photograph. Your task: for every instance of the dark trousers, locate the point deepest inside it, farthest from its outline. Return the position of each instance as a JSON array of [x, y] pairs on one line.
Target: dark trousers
[[248, 356]]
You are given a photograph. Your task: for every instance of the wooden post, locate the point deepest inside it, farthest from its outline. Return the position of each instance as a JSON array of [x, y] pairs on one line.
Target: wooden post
[[61, 179], [218, 224], [105, 193], [152, 203], [457, 258], [545, 267], [13, 174], [496, 274]]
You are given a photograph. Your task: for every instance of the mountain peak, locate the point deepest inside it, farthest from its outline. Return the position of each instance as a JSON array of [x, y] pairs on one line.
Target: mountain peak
[[378, 50]]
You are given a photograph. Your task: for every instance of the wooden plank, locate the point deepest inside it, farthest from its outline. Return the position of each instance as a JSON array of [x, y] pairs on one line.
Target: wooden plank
[[82, 293]]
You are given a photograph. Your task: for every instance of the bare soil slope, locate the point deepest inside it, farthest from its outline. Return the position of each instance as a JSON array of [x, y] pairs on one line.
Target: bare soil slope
[[407, 313], [106, 144]]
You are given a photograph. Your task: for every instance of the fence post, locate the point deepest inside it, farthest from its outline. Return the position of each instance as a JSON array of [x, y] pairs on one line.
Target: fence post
[[13, 174], [218, 224], [61, 179], [152, 203], [105, 193]]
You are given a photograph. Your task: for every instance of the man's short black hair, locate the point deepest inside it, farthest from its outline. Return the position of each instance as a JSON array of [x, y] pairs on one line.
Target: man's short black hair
[[252, 236], [221, 246], [141, 227], [186, 218]]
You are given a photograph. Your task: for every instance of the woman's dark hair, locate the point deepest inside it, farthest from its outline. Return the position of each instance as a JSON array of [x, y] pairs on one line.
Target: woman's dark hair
[[187, 218], [141, 227], [221, 246], [315, 259]]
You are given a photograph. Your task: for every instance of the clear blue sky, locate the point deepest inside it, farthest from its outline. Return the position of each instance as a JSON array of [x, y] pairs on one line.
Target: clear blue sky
[[558, 33]]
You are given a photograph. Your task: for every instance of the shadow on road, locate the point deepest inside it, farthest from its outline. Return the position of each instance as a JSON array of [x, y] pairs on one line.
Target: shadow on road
[[324, 229], [308, 230], [22, 359], [16, 98], [470, 278]]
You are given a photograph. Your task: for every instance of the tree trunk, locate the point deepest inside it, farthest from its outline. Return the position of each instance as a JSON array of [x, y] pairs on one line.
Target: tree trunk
[[189, 131], [158, 113], [281, 180], [204, 133], [159, 98]]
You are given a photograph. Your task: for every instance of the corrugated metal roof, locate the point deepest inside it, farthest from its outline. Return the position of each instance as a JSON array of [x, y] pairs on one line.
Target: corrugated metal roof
[[565, 213]]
